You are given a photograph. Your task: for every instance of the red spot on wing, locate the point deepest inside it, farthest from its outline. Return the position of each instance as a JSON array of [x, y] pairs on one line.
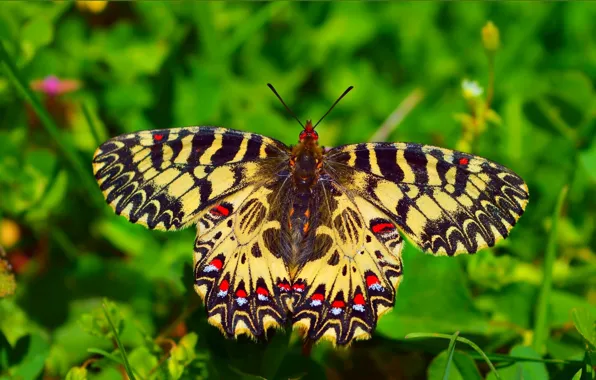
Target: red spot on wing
[[284, 286], [317, 297], [382, 227], [217, 263], [338, 304], [220, 210], [262, 291], [224, 286], [463, 161], [240, 293], [359, 299], [158, 137], [298, 287], [371, 280]]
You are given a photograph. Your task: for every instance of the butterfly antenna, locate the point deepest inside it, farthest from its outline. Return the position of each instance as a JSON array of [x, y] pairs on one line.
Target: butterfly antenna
[[337, 101], [282, 102]]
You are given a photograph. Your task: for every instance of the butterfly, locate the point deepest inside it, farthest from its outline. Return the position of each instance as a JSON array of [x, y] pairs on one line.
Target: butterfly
[[300, 233]]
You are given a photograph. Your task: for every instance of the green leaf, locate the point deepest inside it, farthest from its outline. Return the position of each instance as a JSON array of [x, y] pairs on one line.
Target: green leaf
[[588, 160], [143, 361], [36, 33], [96, 323], [182, 355], [523, 370], [77, 373], [129, 238], [462, 367], [586, 325], [32, 363], [446, 306]]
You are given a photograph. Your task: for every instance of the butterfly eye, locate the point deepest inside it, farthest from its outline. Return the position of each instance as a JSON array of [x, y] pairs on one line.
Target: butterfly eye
[[309, 133]]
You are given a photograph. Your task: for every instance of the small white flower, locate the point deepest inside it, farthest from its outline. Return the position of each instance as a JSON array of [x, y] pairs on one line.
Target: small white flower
[[471, 89]]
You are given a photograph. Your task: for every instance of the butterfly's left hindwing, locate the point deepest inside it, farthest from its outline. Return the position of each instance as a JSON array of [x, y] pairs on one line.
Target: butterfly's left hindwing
[[239, 271], [163, 178], [351, 278], [447, 202]]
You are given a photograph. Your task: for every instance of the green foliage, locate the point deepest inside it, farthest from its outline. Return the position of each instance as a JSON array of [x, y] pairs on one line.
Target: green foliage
[[522, 369], [462, 367], [520, 92]]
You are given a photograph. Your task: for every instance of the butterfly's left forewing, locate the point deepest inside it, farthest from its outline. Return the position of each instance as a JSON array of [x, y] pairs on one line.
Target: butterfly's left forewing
[[163, 178]]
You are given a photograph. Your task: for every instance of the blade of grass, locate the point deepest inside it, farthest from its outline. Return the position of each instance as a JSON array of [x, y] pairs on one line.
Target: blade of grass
[[91, 124], [497, 358], [450, 351], [501, 358], [398, 115], [49, 125], [118, 342], [541, 322], [459, 339]]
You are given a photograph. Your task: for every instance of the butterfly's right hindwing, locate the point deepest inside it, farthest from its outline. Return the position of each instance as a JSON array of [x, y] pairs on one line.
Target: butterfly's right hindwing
[[163, 178]]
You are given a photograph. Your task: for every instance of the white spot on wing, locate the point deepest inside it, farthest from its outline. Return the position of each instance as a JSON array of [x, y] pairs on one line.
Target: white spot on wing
[[358, 307], [210, 268], [241, 301]]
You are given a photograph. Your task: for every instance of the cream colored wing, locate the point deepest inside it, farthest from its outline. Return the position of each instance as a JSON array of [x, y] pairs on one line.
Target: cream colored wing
[[239, 270], [447, 202], [162, 179]]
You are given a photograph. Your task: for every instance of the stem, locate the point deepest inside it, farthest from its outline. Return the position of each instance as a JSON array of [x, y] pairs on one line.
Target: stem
[[119, 343], [398, 115], [541, 324], [459, 339], [490, 91]]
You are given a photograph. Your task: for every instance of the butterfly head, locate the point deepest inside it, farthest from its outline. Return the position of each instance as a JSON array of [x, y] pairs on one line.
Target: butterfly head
[[308, 132]]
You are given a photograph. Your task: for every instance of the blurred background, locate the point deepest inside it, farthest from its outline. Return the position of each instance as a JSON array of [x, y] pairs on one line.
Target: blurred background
[[519, 91]]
